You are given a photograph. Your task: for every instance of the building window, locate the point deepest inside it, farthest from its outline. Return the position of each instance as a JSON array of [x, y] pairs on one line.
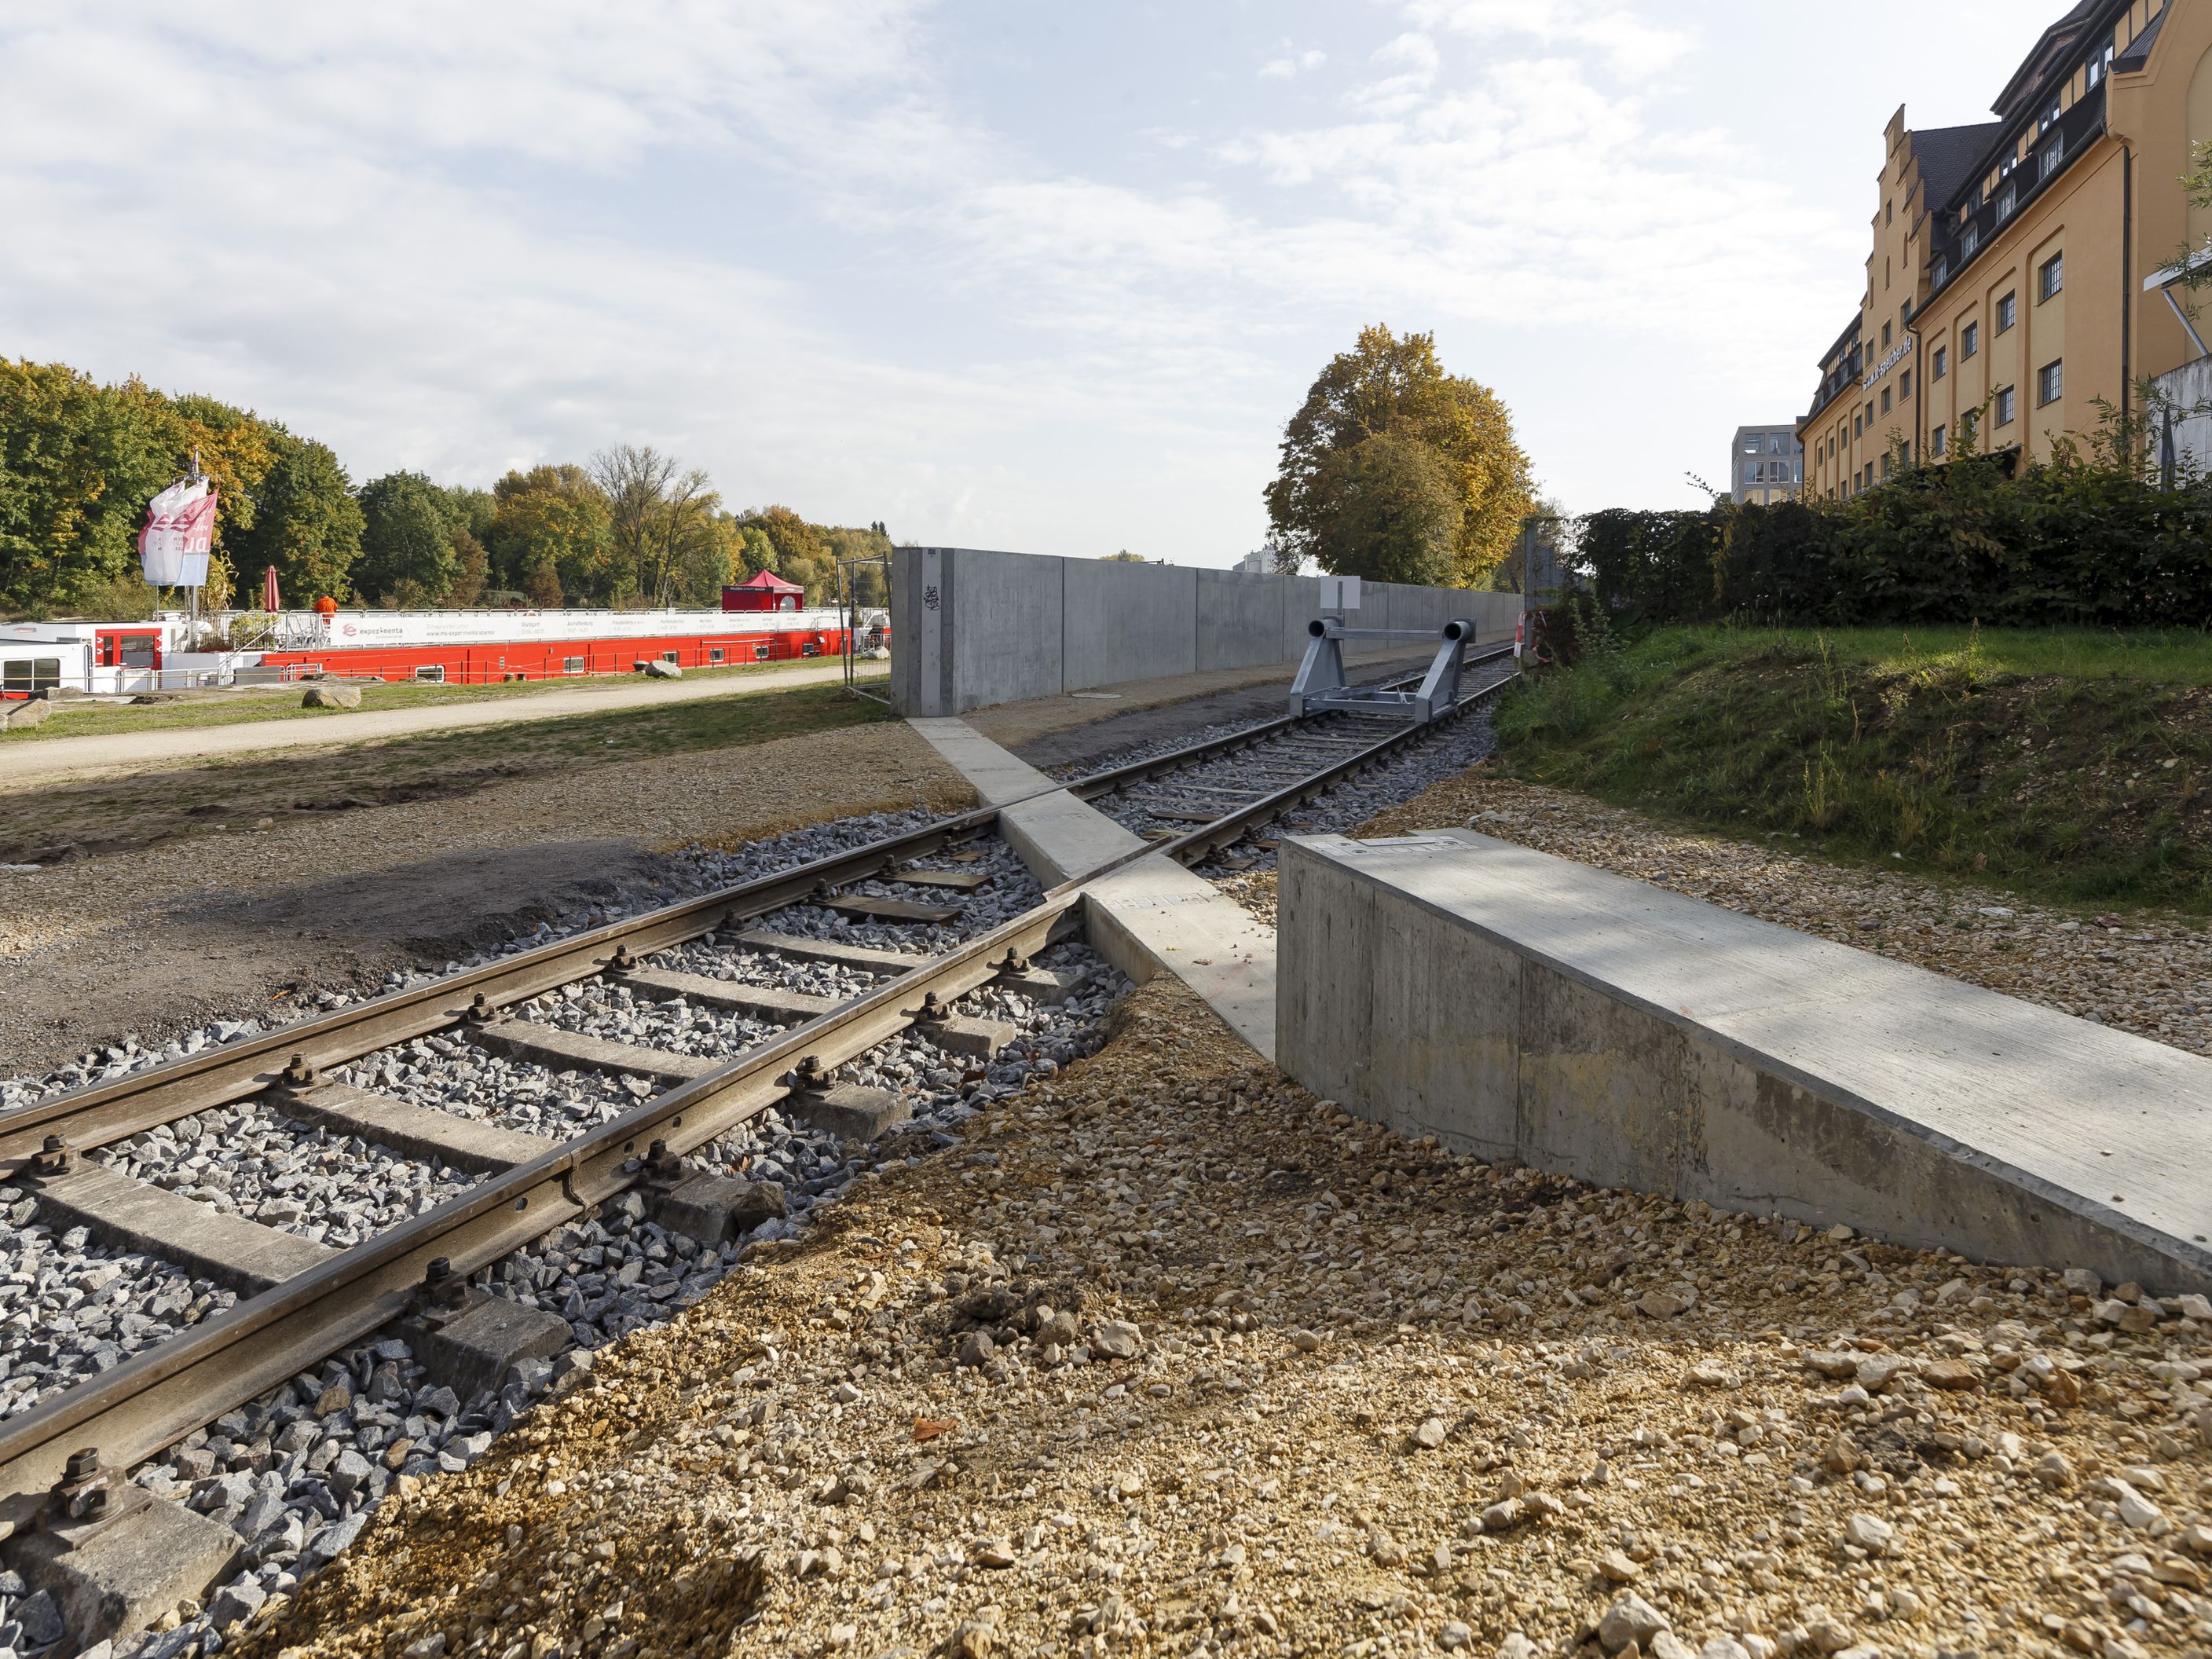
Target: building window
[[1884, 400], [2007, 202], [1970, 340], [1858, 424], [2051, 278], [572, 665], [2050, 383], [1943, 361], [670, 656], [433, 673], [1904, 386], [2007, 312], [1968, 240], [1942, 270], [1774, 444], [1936, 439], [29, 674], [1751, 445], [2006, 405], [2054, 153], [1884, 336], [716, 653]]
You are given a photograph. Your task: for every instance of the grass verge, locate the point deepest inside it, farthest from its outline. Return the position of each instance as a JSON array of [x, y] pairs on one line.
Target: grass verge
[[116, 814], [84, 719], [2069, 768]]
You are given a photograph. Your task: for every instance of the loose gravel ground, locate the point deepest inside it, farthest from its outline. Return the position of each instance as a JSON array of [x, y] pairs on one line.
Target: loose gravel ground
[[1167, 1356]]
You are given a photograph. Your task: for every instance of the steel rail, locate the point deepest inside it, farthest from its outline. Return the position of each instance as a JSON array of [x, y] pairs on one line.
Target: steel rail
[[99, 1113], [155, 1397], [160, 1394]]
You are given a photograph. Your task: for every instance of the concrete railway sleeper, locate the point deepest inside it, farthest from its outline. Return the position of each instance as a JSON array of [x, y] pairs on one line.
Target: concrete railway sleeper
[[778, 1048]]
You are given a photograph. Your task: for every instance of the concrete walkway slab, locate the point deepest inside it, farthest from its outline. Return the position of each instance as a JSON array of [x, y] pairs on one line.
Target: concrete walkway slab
[[1519, 1004], [1149, 916]]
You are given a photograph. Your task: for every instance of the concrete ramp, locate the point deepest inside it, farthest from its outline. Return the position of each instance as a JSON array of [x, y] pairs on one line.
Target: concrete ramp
[[1519, 1006]]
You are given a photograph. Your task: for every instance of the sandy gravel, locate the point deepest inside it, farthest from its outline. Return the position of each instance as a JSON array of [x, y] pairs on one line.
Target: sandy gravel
[[46, 760], [1167, 1358], [157, 941], [2147, 974]]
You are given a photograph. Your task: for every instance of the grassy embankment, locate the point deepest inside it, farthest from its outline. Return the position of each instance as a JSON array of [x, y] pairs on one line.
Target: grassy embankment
[[2065, 766], [247, 706], [112, 814]]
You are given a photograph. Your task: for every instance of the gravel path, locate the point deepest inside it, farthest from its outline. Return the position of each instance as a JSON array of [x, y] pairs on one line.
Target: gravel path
[[1167, 1356], [51, 760]]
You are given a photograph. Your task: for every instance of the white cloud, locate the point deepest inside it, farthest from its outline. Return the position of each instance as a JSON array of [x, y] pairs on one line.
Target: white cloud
[[1629, 44], [1291, 64], [447, 238]]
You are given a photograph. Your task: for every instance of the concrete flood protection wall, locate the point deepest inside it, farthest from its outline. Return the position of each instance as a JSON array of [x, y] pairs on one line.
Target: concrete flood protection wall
[[970, 628], [1521, 1006]]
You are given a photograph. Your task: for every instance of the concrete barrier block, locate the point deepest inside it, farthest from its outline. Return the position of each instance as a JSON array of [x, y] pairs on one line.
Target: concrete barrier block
[[1515, 1004]]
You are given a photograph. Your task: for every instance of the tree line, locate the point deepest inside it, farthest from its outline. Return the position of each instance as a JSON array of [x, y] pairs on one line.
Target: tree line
[[630, 527]]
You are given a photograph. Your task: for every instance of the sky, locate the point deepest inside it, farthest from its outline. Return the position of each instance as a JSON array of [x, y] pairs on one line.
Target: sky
[[998, 273]]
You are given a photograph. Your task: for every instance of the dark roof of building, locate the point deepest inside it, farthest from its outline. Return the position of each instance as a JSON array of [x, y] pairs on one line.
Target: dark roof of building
[[1843, 340], [2060, 38], [1950, 157], [2138, 51]]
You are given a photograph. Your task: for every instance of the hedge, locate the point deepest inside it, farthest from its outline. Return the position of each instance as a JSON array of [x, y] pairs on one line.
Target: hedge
[[2065, 543]]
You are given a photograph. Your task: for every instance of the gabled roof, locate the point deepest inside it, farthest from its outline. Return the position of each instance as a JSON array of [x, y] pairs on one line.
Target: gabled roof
[[772, 582], [2061, 37], [1950, 157]]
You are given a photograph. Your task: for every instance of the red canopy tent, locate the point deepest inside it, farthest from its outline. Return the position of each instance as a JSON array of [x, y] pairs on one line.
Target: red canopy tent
[[764, 591]]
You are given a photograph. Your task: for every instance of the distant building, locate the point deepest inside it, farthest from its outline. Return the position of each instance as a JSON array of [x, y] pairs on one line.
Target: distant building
[[1767, 464], [1260, 561]]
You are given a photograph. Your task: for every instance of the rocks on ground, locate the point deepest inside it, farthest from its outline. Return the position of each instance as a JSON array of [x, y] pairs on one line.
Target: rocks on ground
[[1164, 1355]]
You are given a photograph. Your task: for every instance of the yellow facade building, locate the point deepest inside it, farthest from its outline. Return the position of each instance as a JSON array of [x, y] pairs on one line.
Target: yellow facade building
[[2014, 293]]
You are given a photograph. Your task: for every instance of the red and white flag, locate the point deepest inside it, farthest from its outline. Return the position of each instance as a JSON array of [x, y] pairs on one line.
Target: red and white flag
[[179, 534]]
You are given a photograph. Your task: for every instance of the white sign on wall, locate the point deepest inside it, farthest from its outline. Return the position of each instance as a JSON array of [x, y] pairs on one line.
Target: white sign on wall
[[1339, 592]]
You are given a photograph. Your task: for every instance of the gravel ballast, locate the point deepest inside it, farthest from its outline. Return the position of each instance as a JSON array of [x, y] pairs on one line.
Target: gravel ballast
[[1166, 1355]]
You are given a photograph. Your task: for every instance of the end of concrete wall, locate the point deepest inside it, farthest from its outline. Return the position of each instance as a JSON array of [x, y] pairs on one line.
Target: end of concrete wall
[[1516, 1005]]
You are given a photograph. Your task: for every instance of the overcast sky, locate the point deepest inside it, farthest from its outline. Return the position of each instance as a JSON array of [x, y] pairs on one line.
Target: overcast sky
[[1001, 273]]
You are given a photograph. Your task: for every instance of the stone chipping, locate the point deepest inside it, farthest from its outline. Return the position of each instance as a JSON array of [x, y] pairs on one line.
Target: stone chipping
[[1162, 1355]]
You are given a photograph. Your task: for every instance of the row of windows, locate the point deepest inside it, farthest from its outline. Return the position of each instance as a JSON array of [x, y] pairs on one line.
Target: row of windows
[[1776, 444], [2050, 387], [434, 673], [2051, 281]]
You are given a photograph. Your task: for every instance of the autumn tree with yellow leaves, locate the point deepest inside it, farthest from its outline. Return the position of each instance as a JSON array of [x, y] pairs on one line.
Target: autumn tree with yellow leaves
[[1394, 471]]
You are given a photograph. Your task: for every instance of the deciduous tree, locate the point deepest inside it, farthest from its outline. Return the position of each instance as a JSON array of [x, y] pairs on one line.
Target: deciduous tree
[[554, 518], [1395, 386], [306, 521], [407, 551]]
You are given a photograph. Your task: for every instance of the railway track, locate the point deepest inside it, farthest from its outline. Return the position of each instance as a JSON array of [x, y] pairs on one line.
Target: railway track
[[751, 1000]]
